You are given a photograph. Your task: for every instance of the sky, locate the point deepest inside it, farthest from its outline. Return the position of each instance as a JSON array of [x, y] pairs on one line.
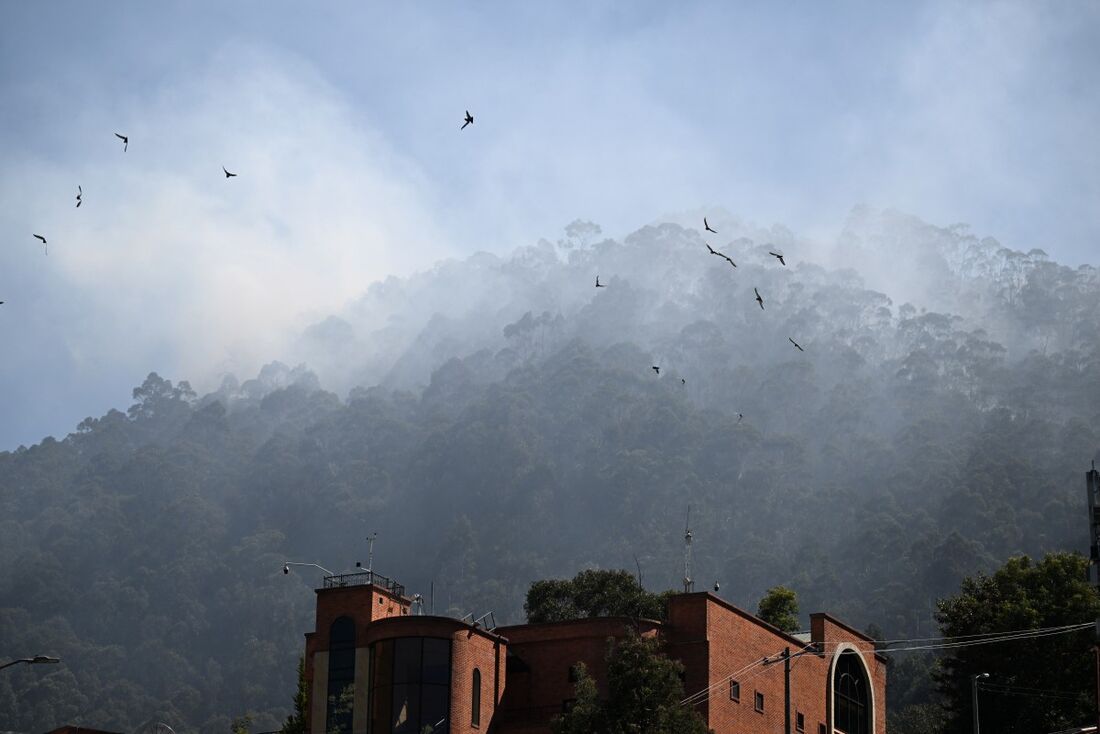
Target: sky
[[342, 120]]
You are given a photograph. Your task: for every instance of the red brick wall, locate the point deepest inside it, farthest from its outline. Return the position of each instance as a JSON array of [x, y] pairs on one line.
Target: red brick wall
[[363, 604], [736, 639], [532, 699]]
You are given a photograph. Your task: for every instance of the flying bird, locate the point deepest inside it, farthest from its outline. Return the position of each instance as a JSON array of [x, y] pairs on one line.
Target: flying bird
[[759, 298], [792, 341], [79, 193], [739, 417], [598, 283], [40, 237], [125, 141], [657, 369], [469, 120], [228, 174], [720, 254], [707, 226], [780, 258], [683, 381]]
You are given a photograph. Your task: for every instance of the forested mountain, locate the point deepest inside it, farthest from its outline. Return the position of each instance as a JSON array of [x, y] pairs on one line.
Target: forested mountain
[[497, 421]]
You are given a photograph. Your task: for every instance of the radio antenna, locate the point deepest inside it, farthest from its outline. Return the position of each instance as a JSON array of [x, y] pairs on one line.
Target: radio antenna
[[689, 584]]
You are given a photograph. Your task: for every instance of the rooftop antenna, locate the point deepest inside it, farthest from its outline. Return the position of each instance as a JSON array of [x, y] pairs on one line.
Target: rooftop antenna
[[689, 584], [370, 551]]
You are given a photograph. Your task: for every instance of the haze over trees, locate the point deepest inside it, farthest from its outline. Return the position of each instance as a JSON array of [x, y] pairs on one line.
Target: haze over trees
[[497, 421]]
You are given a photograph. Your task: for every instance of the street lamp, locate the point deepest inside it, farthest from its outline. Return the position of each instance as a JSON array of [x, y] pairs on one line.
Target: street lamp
[[288, 564], [974, 695], [36, 660]]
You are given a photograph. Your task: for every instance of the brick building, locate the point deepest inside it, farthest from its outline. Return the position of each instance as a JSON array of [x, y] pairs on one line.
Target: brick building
[[375, 667]]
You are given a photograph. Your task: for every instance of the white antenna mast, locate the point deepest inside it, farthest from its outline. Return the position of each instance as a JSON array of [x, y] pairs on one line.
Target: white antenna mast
[[689, 584], [370, 551]]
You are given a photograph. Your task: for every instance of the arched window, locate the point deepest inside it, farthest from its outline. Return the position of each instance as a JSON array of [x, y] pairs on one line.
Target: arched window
[[851, 696], [341, 676], [475, 700]]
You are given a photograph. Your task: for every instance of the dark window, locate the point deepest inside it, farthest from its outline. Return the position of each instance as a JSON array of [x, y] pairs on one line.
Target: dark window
[[851, 700], [410, 686], [822, 729], [760, 702], [475, 700], [572, 673], [735, 691], [799, 721], [341, 676], [568, 704]]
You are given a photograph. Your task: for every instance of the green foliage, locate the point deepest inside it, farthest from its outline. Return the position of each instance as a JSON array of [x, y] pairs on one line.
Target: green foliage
[[145, 548], [779, 608], [644, 694], [296, 722], [592, 593], [1058, 671], [241, 725]]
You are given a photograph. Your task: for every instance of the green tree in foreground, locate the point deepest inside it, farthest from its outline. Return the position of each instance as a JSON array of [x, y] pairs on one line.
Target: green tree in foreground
[[644, 694], [1034, 684], [296, 722], [592, 594], [779, 608]]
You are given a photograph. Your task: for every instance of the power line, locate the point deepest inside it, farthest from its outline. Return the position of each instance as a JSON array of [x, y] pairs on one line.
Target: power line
[[945, 643]]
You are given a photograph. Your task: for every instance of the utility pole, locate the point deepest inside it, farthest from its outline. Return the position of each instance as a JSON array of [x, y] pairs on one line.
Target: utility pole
[[787, 690], [1092, 488]]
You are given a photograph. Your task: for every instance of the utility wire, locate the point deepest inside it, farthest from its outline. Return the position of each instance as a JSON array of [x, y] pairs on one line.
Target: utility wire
[[946, 643]]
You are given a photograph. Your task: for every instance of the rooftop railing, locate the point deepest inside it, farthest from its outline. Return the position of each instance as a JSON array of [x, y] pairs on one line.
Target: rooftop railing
[[364, 578]]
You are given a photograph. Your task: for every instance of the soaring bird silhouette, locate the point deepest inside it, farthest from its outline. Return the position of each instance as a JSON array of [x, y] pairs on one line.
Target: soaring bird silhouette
[[125, 141], [79, 194], [759, 298], [739, 417], [683, 381], [599, 284], [779, 257], [707, 226], [469, 120], [657, 369], [720, 254], [40, 237], [792, 341], [228, 174]]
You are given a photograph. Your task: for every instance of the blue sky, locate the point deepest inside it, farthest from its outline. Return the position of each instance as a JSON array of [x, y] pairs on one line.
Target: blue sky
[[342, 119]]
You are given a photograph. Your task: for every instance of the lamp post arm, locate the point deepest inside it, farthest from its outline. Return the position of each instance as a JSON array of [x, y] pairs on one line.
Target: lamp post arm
[[288, 564], [15, 662]]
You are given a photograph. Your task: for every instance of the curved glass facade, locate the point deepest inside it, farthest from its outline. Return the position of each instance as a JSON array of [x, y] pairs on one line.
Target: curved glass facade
[[410, 686]]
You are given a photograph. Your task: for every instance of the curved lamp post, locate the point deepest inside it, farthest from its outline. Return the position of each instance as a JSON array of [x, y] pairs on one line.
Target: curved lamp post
[[288, 564], [36, 660], [974, 693]]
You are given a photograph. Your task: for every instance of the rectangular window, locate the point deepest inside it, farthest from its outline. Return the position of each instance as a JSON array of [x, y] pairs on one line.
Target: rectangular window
[[760, 702], [572, 673], [799, 721], [735, 691], [822, 729], [568, 704]]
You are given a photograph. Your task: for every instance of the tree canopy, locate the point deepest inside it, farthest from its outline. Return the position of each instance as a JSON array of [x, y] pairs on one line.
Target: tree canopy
[[592, 593], [1044, 683], [779, 608], [644, 692]]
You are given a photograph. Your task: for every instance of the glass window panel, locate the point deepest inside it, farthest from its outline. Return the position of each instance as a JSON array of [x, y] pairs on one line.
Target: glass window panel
[[435, 707], [380, 709], [383, 663], [437, 661], [406, 659], [406, 709]]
